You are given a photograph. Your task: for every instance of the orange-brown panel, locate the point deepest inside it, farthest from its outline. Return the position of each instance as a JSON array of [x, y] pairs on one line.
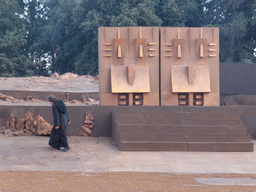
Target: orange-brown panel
[[180, 80], [120, 79]]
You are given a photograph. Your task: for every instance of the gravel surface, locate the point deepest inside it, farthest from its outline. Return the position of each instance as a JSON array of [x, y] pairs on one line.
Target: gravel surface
[[113, 182]]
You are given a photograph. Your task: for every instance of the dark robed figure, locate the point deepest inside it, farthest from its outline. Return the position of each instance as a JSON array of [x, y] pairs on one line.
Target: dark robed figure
[[61, 120]]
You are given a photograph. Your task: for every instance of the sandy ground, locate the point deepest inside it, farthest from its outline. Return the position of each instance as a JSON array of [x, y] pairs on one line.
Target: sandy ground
[[28, 164], [64, 83], [113, 182]]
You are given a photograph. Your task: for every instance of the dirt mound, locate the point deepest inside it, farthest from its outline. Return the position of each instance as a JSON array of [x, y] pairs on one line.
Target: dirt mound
[[55, 75], [68, 82], [68, 76]]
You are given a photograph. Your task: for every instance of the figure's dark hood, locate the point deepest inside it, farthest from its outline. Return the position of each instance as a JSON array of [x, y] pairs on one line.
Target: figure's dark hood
[[61, 106]]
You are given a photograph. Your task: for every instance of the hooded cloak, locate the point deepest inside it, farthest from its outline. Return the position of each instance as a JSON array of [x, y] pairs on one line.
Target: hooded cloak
[[60, 118]]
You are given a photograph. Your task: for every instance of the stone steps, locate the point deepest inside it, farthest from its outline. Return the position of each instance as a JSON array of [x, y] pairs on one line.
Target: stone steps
[[186, 146], [180, 129], [171, 131], [184, 137], [186, 122], [150, 117]]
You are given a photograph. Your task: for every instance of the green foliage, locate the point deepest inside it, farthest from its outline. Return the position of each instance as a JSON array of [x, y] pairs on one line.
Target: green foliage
[[235, 18], [178, 13], [15, 41], [74, 26], [66, 31], [8, 19], [12, 61], [35, 20]]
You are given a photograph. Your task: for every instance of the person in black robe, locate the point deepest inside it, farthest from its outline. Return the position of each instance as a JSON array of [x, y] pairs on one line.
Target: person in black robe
[[58, 138]]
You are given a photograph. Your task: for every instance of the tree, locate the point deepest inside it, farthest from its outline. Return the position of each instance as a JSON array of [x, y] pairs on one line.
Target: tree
[[8, 19], [235, 18], [15, 60], [68, 32], [63, 37], [12, 38], [178, 13], [73, 29], [36, 17]]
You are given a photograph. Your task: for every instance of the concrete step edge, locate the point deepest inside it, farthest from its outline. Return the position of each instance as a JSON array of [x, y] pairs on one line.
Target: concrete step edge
[[210, 134], [175, 125], [188, 142], [179, 115]]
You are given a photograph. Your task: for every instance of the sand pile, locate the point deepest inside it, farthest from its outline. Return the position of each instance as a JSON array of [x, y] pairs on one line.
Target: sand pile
[[64, 76], [67, 82]]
